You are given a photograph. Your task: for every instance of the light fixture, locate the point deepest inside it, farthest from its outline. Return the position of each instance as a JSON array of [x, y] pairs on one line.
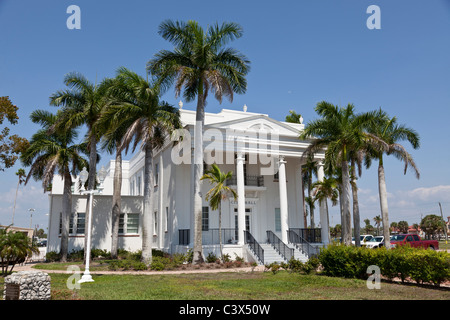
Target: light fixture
[[101, 175], [83, 178]]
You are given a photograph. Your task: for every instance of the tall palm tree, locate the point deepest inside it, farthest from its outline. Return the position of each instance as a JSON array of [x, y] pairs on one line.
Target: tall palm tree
[[81, 104], [148, 122], [200, 63], [340, 131], [217, 193], [388, 133], [306, 172], [55, 152], [22, 175], [112, 141]]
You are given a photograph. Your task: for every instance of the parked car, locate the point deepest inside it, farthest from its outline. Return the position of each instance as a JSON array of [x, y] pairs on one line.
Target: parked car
[[363, 239], [42, 243], [414, 241], [375, 242]]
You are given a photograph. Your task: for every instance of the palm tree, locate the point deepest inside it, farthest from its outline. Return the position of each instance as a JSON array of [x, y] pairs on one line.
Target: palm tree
[[388, 133], [15, 247], [308, 170], [21, 174], [217, 193], [340, 131], [200, 63], [324, 190], [377, 221], [50, 153], [135, 106], [368, 228], [81, 105]]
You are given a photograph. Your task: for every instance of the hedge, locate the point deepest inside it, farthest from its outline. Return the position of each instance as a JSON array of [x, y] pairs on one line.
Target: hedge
[[420, 265]]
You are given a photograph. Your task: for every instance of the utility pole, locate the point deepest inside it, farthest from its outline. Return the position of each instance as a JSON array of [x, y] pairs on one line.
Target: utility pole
[[445, 226]]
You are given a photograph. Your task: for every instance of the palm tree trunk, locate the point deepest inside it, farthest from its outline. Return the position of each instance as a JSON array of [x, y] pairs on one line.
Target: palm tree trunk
[[305, 212], [116, 207], [198, 173], [91, 182], [147, 212], [15, 199], [220, 231], [383, 203], [347, 224], [356, 219], [65, 218], [311, 204]]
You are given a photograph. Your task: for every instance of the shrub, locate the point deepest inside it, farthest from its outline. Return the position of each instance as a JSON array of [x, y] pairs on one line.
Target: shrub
[[52, 256], [420, 265], [211, 258]]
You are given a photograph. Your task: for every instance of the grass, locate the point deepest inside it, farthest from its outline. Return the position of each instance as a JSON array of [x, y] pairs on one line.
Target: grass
[[443, 245], [235, 286]]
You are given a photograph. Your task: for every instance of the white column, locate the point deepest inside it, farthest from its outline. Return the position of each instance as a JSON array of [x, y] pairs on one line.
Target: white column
[[241, 196], [322, 207], [283, 199], [299, 196]]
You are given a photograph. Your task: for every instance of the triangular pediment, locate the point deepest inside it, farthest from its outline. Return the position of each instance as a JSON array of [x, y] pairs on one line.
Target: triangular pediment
[[258, 123]]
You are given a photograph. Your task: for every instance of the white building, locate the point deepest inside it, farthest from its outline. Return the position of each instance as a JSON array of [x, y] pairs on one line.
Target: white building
[[265, 157]]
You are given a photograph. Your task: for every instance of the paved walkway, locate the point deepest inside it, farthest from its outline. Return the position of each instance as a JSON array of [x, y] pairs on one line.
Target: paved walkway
[[29, 267]]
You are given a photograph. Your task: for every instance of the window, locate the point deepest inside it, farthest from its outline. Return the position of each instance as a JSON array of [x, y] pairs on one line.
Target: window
[[132, 188], [122, 223], [81, 218], [416, 237], [277, 219], [167, 219], [205, 218], [155, 223], [156, 175], [128, 223], [132, 222], [76, 222], [138, 188]]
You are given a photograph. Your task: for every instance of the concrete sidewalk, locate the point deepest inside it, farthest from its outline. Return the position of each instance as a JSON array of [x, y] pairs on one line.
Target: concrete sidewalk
[[29, 267]]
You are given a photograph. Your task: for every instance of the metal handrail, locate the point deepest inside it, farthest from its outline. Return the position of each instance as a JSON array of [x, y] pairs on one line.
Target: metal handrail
[[280, 246], [301, 244], [312, 235], [254, 246]]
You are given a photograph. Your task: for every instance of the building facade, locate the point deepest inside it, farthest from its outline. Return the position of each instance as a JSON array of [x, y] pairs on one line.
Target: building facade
[[265, 156]]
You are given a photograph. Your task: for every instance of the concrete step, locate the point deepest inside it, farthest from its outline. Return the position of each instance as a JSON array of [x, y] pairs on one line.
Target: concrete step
[[271, 255]]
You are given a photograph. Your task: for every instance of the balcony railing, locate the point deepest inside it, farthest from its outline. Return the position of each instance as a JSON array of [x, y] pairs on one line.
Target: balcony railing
[[249, 180], [210, 236]]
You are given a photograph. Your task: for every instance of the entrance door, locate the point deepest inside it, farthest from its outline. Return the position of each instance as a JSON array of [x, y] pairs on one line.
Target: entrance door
[[248, 212]]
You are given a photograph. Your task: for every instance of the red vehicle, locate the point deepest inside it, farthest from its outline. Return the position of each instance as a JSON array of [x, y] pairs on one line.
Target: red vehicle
[[414, 241]]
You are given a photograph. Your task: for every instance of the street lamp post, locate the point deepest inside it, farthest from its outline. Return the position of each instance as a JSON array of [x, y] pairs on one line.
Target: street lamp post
[[31, 217], [83, 177]]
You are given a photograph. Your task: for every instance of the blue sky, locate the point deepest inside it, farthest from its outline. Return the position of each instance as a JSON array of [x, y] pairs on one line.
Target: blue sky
[[301, 52]]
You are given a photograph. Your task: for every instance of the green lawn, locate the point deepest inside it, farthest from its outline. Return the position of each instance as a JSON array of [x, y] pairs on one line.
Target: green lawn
[[235, 286], [443, 245]]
